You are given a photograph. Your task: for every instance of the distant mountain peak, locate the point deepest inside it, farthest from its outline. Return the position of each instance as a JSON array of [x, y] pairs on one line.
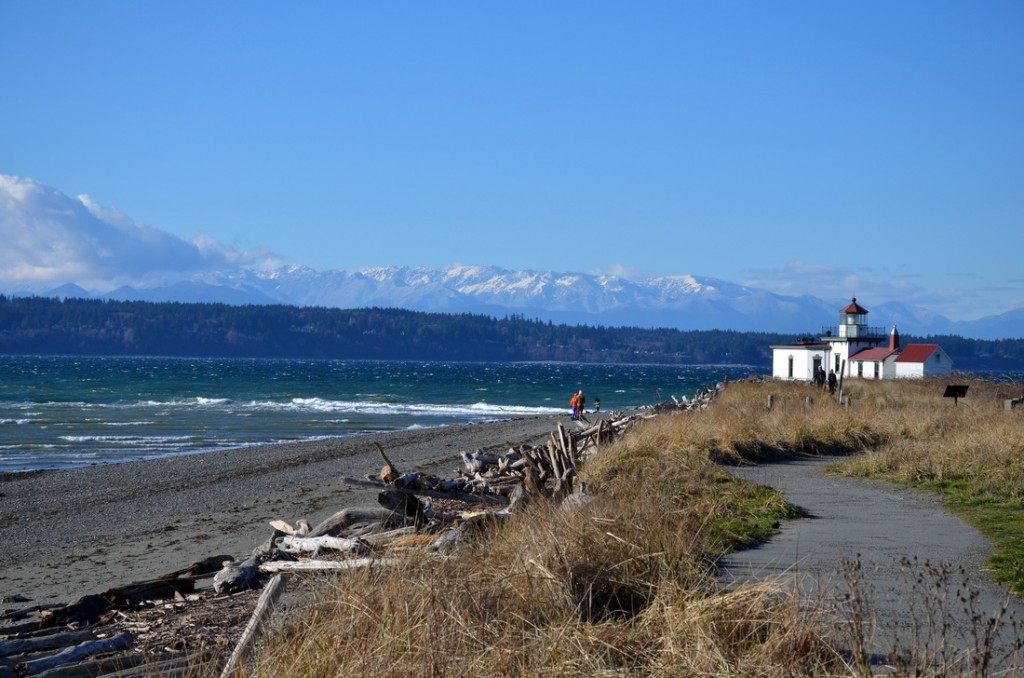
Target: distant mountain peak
[[676, 301]]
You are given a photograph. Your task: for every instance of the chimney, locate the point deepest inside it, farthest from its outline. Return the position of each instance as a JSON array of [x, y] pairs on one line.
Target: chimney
[[894, 339]]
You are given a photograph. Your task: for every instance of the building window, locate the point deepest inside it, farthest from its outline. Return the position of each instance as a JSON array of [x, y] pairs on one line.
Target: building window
[[876, 370], [860, 368], [837, 362], [790, 367]]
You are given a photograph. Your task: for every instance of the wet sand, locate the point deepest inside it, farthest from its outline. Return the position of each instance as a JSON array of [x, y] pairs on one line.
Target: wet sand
[[70, 533]]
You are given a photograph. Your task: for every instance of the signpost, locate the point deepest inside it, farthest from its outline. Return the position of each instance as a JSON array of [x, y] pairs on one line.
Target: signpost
[[955, 391]]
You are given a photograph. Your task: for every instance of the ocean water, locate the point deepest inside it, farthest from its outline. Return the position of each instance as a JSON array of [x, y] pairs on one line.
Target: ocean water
[[67, 412]]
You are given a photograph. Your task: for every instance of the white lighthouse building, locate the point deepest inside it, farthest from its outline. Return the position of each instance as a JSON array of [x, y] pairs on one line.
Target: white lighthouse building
[[857, 349]]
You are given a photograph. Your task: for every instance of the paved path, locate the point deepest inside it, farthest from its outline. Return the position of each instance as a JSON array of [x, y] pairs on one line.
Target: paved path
[[908, 548]]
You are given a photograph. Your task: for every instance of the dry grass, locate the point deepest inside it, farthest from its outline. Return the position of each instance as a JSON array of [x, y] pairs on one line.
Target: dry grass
[[623, 585]]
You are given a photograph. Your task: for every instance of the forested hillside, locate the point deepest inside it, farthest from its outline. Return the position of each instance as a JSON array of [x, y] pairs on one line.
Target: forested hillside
[[34, 325]]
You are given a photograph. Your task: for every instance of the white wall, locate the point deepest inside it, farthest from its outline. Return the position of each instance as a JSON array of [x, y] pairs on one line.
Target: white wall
[[886, 368], [803, 362], [865, 369], [938, 364]]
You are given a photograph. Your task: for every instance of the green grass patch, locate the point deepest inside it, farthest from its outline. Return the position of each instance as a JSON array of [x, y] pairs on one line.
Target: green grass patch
[[749, 515], [1001, 522]]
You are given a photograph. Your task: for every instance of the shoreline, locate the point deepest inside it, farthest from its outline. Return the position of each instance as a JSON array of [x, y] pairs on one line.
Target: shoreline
[[68, 533], [312, 440]]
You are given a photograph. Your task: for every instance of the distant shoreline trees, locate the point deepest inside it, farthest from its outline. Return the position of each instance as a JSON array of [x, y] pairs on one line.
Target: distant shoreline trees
[[48, 326]]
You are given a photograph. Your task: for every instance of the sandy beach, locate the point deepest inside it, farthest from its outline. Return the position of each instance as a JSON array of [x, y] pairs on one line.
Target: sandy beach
[[70, 533]]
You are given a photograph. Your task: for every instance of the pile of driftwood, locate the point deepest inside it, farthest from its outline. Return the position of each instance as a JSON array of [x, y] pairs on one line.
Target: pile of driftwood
[[88, 637], [701, 400], [419, 509], [415, 510]]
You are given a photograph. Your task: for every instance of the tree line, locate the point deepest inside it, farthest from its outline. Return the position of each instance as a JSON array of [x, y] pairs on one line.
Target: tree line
[[48, 326]]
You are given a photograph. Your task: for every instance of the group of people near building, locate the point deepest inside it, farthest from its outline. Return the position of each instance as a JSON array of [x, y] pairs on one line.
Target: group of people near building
[[821, 380], [578, 401]]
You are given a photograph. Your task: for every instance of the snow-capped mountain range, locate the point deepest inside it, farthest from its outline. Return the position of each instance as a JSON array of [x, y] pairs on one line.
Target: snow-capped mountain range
[[56, 245], [684, 301]]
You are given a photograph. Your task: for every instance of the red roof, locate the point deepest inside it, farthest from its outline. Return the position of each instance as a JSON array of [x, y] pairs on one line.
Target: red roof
[[880, 353], [916, 353], [853, 307]]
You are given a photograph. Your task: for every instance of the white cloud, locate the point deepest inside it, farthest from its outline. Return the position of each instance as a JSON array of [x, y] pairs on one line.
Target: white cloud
[[871, 285], [620, 271], [832, 282], [50, 239]]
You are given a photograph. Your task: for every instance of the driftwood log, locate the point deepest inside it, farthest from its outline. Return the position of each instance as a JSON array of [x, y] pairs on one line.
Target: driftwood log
[[51, 641], [76, 653], [323, 565], [313, 545], [271, 592]]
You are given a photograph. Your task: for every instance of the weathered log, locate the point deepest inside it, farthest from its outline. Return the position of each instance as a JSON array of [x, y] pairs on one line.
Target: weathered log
[[85, 611], [433, 516], [354, 519], [467, 530], [180, 666], [51, 641], [301, 527], [556, 471], [197, 570], [534, 484], [517, 500], [238, 575], [479, 460], [402, 503], [420, 491], [22, 612], [264, 605], [573, 455], [384, 538], [411, 479], [447, 485], [121, 641], [136, 592], [313, 545], [116, 666], [323, 565]]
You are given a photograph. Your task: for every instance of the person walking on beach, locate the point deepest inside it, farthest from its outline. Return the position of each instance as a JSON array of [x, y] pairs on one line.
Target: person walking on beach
[[575, 404], [831, 381], [597, 404], [583, 401]]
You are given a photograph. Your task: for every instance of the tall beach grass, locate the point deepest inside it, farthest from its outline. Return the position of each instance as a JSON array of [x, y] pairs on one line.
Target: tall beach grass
[[624, 585]]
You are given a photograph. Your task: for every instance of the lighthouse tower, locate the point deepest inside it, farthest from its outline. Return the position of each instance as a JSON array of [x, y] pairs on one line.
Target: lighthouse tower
[[852, 335]]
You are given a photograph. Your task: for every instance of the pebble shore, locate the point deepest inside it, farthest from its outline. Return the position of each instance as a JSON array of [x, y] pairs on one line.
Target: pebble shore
[[72, 533]]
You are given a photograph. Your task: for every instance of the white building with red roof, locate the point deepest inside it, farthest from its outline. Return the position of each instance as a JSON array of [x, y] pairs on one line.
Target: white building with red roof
[[923, 360], [855, 348]]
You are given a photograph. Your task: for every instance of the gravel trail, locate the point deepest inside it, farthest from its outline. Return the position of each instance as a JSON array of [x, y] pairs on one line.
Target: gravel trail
[[912, 557]]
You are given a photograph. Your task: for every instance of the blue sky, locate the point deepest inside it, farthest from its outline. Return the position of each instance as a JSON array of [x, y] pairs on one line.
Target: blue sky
[[872, 148]]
